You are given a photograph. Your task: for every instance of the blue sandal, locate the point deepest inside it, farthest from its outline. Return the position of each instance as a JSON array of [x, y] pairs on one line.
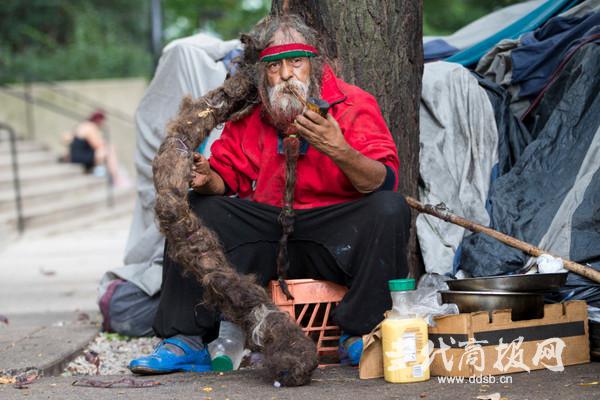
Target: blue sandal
[[350, 349], [164, 361]]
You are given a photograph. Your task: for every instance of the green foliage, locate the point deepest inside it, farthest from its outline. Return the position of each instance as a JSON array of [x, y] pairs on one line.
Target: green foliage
[[62, 39], [443, 17], [225, 18], [84, 39], [112, 336]]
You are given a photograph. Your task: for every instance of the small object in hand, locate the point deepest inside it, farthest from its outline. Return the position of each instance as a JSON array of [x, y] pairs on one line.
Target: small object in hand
[[319, 106]]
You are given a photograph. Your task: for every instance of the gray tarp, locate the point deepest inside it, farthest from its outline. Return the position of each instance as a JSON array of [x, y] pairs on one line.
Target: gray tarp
[[459, 148], [187, 66]]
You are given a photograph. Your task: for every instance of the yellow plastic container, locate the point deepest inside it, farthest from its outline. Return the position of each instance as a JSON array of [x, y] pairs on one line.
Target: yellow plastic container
[[405, 340]]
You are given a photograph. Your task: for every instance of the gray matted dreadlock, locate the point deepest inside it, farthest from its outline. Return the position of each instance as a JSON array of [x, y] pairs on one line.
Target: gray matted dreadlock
[[290, 356]]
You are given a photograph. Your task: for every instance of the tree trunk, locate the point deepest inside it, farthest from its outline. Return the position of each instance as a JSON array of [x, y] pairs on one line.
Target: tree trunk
[[377, 45]]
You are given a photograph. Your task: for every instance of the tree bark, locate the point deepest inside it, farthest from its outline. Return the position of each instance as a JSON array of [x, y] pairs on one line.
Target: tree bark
[[377, 45]]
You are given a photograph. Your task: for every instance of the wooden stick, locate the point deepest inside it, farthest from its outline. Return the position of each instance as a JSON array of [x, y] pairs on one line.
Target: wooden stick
[[443, 213]]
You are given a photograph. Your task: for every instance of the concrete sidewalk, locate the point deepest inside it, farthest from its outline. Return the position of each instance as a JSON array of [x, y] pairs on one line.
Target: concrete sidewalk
[[60, 272], [40, 345], [43, 343], [575, 383], [47, 281]]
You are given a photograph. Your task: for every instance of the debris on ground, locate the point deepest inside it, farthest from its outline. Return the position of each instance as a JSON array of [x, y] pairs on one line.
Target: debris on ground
[[23, 380], [119, 383], [110, 354]]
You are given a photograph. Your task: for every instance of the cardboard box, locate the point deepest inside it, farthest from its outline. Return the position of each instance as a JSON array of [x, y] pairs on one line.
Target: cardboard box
[[483, 343]]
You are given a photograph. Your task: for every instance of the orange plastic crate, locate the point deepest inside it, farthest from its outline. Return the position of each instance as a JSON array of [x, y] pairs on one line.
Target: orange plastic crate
[[311, 309]]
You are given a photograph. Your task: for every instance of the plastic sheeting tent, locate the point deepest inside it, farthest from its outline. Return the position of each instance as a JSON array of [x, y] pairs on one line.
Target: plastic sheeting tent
[[189, 66], [543, 185]]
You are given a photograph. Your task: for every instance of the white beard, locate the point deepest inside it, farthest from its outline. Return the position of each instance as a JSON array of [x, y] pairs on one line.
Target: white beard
[[284, 106]]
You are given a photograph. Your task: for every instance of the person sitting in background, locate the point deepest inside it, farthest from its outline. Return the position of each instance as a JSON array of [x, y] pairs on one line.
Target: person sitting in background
[[88, 148]]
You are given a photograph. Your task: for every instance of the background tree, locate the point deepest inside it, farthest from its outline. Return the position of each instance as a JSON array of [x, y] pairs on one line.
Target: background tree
[[377, 46], [86, 39]]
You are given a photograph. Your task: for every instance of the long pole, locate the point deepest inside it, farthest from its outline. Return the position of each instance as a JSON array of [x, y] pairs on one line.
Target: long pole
[[444, 214]]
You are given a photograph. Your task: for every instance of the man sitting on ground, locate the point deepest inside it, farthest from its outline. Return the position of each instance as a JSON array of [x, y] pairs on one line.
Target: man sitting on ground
[[350, 226]]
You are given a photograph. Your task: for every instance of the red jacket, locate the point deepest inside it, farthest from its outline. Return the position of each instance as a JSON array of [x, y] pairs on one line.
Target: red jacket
[[246, 156]]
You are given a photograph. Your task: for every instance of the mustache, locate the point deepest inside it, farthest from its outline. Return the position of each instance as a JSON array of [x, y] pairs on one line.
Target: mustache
[[286, 101], [293, 87]]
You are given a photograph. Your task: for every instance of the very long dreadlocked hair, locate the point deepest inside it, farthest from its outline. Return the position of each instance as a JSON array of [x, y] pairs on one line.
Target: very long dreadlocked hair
[[290, 356]]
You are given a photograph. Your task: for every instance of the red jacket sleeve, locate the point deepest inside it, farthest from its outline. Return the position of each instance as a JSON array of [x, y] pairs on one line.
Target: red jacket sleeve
[[365, 129]]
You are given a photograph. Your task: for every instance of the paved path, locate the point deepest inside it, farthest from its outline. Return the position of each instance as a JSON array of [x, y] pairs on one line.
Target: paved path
[[60, 272], [331, 383], [44, 343], [46, 281]]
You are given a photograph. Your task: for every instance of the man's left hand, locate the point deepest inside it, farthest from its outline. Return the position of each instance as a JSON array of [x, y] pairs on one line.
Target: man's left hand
[[324, 134]]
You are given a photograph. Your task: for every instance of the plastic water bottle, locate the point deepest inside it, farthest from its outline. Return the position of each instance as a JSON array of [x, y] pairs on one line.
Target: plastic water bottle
[[227, 350], [404, 337]]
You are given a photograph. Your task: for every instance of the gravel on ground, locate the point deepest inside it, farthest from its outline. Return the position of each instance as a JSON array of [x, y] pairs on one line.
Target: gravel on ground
[[109, 354]]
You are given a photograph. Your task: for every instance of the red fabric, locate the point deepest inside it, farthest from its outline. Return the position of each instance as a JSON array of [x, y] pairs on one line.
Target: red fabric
[[246, 154]]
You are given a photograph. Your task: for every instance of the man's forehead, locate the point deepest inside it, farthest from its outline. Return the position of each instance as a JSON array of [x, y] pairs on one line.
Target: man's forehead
[[285, 36]]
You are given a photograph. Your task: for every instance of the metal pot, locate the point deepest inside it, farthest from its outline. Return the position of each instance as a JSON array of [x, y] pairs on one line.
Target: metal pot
[[523, 305], [511, 283]]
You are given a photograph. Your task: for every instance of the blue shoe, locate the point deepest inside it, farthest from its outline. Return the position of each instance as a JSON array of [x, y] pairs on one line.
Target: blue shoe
[[164, 361], [350, 349]]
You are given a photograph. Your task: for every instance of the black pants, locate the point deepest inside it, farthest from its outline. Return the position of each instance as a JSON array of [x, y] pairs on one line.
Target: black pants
[[360, 244]]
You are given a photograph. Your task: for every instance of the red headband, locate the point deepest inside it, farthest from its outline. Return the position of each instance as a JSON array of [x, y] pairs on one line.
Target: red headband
[[290, 50]]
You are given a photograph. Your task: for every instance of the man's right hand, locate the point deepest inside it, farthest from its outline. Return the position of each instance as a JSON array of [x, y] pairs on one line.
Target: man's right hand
[[200, 172], [205, 180]]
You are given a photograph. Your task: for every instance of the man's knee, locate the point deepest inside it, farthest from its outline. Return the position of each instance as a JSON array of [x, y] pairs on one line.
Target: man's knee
[[386, 205]]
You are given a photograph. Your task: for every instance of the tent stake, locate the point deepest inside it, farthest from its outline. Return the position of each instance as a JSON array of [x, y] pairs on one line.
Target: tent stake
[[442, 212]]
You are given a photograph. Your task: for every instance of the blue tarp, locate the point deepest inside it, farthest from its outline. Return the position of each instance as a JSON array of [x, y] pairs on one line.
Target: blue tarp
[[543, 50], [551, 197], [529, 22]]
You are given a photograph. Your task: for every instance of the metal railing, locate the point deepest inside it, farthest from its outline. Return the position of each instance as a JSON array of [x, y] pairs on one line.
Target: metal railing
[[31, 101], [12, 138]]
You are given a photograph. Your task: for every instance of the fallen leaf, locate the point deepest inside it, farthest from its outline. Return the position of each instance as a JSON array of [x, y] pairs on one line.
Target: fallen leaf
[[7, 380], [588, 383], [47, 272], [491, 396], [93, 358], [83, 317]]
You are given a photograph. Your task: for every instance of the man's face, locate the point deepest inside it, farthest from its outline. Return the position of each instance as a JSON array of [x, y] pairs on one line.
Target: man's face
[[282, 71], [290, 68], [286, 80]]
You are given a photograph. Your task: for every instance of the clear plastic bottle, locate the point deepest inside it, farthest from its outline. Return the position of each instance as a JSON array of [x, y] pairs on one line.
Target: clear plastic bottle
[[404, 337], [227, 350]]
